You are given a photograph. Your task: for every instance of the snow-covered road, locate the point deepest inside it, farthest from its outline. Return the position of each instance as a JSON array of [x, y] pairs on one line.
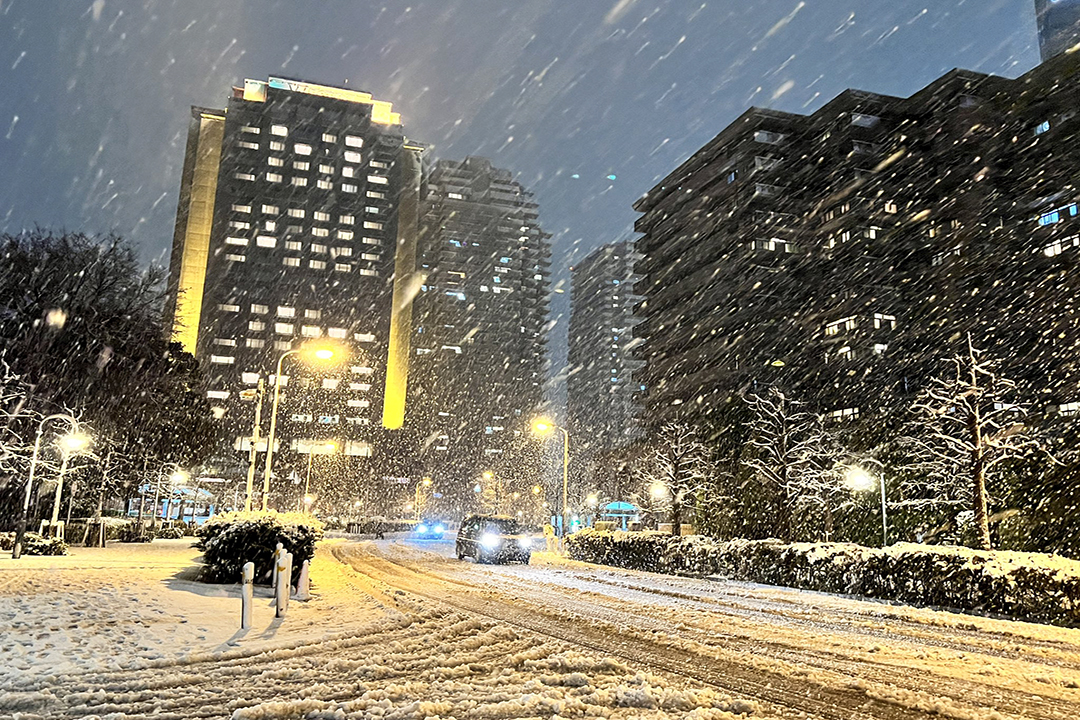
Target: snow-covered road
[[401, 629]]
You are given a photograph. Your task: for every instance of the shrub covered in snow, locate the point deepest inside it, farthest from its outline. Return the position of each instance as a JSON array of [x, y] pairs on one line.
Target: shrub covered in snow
[[132, 533], [1032, 586], [34, 544], [232, 539]]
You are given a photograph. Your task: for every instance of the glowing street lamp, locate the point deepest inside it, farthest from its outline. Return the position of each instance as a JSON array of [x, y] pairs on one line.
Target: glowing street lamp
[[20, 527], [321, 353], [71, 444], [542, 427], [861, 480]]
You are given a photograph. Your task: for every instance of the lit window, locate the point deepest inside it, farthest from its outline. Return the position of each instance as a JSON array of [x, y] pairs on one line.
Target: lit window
[[286, 312], [324, 184], [299, 181], [370, 225], [255, 343], [354, 141], [302, 149], [302, 417], [318, 248], [364, 337], [244, 176], [342, 251], [270, 209], [274, 177], [256, 326], [455, 196], [236, 258], [265, 241], [376, 194], [279, 130], [249, 377], [346, 219], [377, 180], [371, 209], [222, 359], [372, 241], [250, 129], [313, 331], [346, 187], [348, 171], [293, 245], [259, 309], [326, 169], [344, 235], [321, 216], [236, 241], [248, 145], [283, 328], [1042, 127], [890, 207], [379, 164], [275, 162], [297, 165], [369, 256], [291, 262], [320, 232], [366, 271], [313, 314], [217, 394], [342, 267], [276, 146], [362, 370], [241, 208], [317, 264], [270, 225], [225, 342], [337, 333], [352, 157]]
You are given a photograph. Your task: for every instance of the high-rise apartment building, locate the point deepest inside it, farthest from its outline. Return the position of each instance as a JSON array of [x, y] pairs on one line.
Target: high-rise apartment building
[[478, 343], [601, 387], [1059, 26], [294, 207], [843, 254]]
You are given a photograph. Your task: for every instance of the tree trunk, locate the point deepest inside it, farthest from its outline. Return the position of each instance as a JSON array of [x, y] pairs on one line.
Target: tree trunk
[[978, 478], [676, 515]]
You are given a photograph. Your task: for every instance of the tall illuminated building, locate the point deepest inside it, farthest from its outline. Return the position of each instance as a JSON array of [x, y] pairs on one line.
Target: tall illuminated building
[[296, 202], [479, 326], [1059, 26]]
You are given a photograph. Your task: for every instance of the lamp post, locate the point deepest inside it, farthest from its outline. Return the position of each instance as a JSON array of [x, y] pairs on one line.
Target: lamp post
[[860, 479], [20, 527], [178, 475], [426, 482], [69, 445], [320, 354], [543, 427]]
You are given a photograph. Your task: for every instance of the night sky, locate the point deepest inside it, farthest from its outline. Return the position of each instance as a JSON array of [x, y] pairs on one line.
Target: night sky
[[94, 96]]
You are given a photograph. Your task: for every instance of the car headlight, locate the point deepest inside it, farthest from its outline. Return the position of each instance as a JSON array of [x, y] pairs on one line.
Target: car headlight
[[440, 529], [525, 543], [421, 528], [489, 541]]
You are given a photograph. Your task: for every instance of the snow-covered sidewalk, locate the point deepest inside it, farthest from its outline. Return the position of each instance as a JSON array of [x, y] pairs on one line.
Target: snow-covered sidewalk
[[127, 605]]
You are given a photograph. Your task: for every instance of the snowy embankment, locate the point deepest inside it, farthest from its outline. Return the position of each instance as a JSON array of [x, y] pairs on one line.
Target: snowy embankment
[[1028, 586]]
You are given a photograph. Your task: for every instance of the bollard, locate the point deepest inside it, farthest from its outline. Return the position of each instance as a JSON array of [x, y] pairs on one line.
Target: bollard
[[274, 571], [282, 572], [303, 585], [247, 595]]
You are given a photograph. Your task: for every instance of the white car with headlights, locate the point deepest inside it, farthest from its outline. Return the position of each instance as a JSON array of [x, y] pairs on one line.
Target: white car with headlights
[[493, 539]]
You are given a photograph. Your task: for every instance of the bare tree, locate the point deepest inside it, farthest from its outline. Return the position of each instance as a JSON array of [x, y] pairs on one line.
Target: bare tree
[[967, 426], [798, 460], [680, 464]]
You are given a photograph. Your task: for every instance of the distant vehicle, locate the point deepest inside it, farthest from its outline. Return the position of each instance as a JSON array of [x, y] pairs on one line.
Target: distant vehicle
[[429, 530], [494, 539]]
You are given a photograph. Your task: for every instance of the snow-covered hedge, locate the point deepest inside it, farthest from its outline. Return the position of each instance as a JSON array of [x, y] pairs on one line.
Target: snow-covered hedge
[[232, 539], [1031, 586], [34, 544]]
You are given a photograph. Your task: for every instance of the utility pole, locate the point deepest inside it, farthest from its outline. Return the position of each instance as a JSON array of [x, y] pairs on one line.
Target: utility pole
[[254, 445]]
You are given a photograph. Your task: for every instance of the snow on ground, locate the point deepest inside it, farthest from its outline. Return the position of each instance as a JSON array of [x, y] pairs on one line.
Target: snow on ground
[[124, 632]]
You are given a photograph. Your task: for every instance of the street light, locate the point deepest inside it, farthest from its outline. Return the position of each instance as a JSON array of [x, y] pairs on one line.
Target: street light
[[20, 527], [319, 353], [70, 444], [542, 427], [426, 482], [859, 479]]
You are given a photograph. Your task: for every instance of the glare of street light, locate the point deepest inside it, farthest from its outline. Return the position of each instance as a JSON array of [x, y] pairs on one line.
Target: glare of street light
[[179, 477], [542, 426], [358, 503], [426, 482], [537, 489], [658, 490], [74, 442], [592, 500], [308, 499], [324, 354], [858, 479], [487, 475]]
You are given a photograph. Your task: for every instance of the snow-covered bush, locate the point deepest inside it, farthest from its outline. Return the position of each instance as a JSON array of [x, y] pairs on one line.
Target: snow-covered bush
[[132, 533], [232, 539], [170, 532], [1031, 586], [34, 544]]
